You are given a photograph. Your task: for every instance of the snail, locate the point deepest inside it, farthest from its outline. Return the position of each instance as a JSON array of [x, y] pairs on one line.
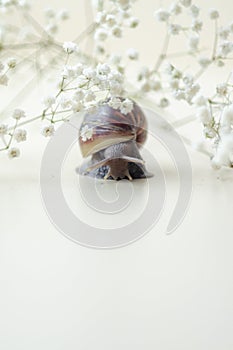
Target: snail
[[113, 139]]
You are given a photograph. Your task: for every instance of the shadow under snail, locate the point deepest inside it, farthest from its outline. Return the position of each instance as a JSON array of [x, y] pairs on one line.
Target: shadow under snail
[[113, 140]]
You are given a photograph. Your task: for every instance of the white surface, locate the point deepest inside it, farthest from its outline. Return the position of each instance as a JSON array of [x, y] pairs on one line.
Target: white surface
[[162, 292]]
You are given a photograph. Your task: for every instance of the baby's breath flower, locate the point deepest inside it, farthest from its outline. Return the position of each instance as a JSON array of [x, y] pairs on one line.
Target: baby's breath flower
[[48, 130], [126, 106], [115, 103], [204, 115], [186, 3], [3, 79], [227, 116], [204, 62], [3, 129], [69, 47], [49, 12], [49, 101], [20, 135], [213, 13], [78, 95], [175, 8], [86, 133], [197, 25], [164, 102], [193, 42], [103, 69], [18, 114], [13, 152], [179, 94], [162, 15], [77, 106], [133, 22], [65, 102], [199, 100], [155, 85], [116, 31], [132, 54], [11, 62], [224, 33], [63, 14], [225, 48], [194, 11], [174, 29], [222, 89], [90, 96], [101, 34]]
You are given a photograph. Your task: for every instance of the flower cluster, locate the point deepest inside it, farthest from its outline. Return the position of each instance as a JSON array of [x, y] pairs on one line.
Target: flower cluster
[[85, 82], [110, 21]]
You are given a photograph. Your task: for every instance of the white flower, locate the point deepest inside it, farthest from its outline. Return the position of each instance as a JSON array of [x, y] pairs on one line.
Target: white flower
[[20, 135], [200, 100], [204, 62], [89, 73], [222, 89], [48, 130], [51, 28], [204, 115], [78, 95], [224, 153], [86, 133], [1, 66], [13, 152], [11, 62], [65, 102], [115, 59], [224, 32], [18, 114], [90, 96], [3, 129], [63, 14], [161, 15], [77, 106], [174, 29], [132, 54], [194, 11], [115, 88], [213, 13], [69, 47], [49, 12], [179, 95], [227, 116], [126, 106], [115, 103], [164, 102], [49, 101], [103, 69], [225, 48], [110, 20], [186, 3], [197, 25], [3, 79], [69, 72], [101, 34], [175, 9], [193, 42], [155, 85], [116, 31], [133, 22]]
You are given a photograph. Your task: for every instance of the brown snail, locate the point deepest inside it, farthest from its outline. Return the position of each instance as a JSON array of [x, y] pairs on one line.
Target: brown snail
[[113, 139]]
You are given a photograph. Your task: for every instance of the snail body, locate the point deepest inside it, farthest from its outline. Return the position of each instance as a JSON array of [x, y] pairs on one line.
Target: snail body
[[112, 140]]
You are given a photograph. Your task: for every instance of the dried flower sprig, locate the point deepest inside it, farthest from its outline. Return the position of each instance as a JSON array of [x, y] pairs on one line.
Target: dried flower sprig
[[86, 81]]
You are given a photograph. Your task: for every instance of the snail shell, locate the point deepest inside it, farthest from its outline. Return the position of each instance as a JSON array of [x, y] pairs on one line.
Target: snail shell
[[113, 139]]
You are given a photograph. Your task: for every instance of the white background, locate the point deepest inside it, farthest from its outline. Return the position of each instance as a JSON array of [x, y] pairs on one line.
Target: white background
[[162, 292]]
